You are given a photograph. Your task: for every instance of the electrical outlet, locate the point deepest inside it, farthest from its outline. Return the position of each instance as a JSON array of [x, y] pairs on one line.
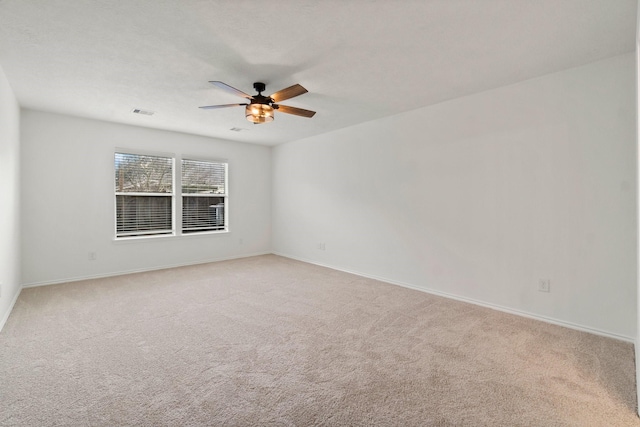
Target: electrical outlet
[[93, 256], [321, 246], [544, 285], [240, 241]]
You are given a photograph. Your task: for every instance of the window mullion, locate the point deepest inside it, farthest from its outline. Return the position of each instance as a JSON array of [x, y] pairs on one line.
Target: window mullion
[[177, 198]]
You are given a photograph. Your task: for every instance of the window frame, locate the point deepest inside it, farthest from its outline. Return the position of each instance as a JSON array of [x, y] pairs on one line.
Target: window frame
[[176, 196]]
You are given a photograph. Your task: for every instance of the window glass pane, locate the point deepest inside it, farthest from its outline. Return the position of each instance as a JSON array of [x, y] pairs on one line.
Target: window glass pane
[[203, 177], [143, 215], [137, 173], [202, 214]]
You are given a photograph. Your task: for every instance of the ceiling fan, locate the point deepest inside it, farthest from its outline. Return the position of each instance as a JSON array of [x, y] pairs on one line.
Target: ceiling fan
[[260, 108]]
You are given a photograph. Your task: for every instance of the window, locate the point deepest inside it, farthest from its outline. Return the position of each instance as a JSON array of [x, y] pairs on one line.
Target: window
[[145, 186], [144, 195], [204, 192]]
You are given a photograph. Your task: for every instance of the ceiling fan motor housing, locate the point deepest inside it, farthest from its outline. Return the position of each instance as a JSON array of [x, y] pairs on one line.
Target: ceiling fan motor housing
[[261, 99], [259, 87]]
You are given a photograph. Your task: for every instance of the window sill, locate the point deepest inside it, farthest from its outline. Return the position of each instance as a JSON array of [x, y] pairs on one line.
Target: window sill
[[139, 239]]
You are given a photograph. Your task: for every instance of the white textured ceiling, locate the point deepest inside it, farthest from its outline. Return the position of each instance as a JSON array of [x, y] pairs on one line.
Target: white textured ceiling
[[359, 59]]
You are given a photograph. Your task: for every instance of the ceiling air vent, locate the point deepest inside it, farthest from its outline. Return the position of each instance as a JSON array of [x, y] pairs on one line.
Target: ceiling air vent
[[141, 111]]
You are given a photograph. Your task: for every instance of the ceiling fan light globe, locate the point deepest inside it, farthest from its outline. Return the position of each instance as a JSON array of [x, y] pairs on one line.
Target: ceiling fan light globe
[[259, 113]]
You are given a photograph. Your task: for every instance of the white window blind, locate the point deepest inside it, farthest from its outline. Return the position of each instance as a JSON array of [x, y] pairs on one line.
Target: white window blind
[[204, 196], [144, 195]]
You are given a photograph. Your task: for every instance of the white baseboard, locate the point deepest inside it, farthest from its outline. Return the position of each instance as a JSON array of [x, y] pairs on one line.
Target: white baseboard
[[497, 307], [4, 319], [140, 270]]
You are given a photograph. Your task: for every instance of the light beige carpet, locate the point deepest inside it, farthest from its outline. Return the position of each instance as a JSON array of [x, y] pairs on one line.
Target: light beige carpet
[[268, 341]]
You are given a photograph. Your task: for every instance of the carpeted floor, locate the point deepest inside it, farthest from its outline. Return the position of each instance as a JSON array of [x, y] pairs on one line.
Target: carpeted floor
[[268, 341]]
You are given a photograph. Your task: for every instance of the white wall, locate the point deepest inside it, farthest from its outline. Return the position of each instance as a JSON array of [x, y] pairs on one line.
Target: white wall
[[9, 198], [68, 201], [482, 196]]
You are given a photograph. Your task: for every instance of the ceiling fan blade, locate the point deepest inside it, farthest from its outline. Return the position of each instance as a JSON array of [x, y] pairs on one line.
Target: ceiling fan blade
[[288, 93], [213, 107], [296, 111], [230, 89]]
